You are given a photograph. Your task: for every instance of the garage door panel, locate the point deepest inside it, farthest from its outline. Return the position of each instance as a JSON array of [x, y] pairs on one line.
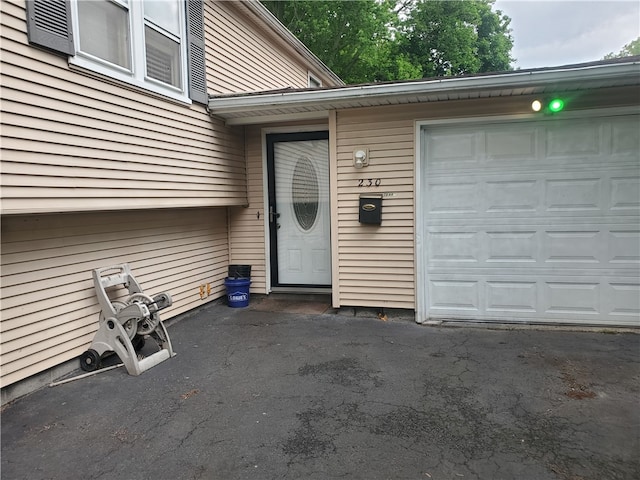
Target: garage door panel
[[509, 246], [592, 247], [624, 247], [508, 296], [559, 142], [625, 138], [456, 247], [573, 194], [588, 192], [452, 198], [574, 139], [572, 299], [623, 299], [511, 145], [574, 246], [625, 194], [543, 226], [512, 196], [454, 148], [455, 296]]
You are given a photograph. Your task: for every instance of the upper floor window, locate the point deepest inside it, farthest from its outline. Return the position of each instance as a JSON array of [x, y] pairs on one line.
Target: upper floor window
[[142, 42], [314, 82], [154, 44]]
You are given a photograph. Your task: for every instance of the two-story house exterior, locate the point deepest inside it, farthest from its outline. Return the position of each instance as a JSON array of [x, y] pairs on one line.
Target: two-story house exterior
[[213, 137]]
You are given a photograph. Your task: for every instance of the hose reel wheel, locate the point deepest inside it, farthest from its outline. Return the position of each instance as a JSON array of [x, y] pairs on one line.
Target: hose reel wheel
[[144, 325], [90, 361]]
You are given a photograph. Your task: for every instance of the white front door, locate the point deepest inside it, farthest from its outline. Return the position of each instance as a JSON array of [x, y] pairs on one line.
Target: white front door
[[299, 218]]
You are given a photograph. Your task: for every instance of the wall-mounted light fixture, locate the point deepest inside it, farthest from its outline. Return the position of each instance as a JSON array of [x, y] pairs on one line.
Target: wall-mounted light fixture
[[361, 157], [548, 106]]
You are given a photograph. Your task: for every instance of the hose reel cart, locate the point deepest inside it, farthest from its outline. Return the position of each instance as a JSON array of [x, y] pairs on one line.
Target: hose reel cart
[[125, 324]]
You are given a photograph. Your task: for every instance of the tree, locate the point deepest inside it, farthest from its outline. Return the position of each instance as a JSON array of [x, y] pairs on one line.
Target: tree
[[378, 40], [456, 37], [630, 49], [350, 37]]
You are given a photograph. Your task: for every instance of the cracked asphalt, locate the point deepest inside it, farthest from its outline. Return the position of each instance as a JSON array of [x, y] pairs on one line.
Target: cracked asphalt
[[258, 395]]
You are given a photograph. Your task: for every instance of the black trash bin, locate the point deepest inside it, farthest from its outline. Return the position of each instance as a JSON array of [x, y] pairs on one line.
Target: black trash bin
[[239, 271]]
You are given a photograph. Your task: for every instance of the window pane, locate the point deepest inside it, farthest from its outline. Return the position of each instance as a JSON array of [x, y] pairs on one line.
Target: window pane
[[314, 83], [163, 58], [164, 13], [104, 31], [305, 195]]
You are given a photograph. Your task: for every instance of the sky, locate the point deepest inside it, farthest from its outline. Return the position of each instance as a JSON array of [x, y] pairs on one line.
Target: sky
[[549, 33]]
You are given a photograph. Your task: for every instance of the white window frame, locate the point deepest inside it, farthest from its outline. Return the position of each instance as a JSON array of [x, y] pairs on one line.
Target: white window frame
[[137, 76], [312, 78]]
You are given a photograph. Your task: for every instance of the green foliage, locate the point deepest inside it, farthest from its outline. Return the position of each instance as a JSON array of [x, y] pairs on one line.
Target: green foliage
[[378, 40], [351, 37], [630, 49]]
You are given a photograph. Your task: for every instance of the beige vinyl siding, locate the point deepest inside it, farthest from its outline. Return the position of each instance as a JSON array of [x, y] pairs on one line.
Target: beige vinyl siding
[[247, 224], [375, 263], [76, 141], [242, 56], [246, 245], [49, 308]]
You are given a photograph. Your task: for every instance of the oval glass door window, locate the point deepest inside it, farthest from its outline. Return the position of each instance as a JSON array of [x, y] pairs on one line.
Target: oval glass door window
[[305, 193]]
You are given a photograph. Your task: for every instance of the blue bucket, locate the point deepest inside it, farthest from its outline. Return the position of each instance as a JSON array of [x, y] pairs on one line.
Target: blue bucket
[[237, 291]]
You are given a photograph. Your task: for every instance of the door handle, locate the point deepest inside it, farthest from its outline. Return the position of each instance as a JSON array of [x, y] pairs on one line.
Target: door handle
[[272, 214]]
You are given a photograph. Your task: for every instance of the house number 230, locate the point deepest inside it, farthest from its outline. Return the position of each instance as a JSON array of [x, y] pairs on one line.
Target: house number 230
[[369, 182]]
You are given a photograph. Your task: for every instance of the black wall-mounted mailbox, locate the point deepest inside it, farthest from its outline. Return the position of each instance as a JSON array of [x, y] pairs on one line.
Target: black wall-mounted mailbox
[[370, 210]]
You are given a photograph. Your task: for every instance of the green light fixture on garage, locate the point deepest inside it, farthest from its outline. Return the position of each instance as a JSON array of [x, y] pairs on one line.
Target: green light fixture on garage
[[556, 105]]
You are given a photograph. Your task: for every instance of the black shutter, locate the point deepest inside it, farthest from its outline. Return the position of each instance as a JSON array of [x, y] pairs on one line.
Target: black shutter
[[49, 25], [195, 51]]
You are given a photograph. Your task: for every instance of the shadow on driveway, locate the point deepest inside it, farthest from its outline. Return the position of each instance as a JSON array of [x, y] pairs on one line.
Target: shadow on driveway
[[263, 395]]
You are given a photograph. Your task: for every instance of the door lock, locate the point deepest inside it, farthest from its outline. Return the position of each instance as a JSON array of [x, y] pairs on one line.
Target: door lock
[[272, 214]]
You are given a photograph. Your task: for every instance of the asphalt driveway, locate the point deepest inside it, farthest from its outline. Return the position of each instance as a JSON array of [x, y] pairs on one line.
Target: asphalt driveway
[[262, 395]]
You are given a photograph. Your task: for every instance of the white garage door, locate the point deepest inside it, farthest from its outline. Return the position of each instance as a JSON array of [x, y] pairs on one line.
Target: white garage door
[[532, 221]]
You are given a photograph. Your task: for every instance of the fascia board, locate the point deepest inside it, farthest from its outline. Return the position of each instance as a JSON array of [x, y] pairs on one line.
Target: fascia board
[[276, 118], [559, 77]]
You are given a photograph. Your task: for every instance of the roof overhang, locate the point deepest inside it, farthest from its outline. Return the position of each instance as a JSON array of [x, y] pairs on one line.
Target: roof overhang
[[287, 105]]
